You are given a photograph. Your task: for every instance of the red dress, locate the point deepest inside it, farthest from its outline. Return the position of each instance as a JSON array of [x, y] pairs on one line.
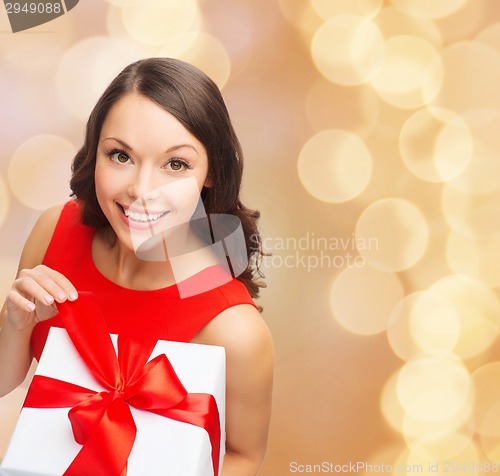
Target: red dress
[[160, 313]]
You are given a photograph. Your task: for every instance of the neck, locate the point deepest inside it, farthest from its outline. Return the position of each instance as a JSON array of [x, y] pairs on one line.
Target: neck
[[160, 262], [144, 270]]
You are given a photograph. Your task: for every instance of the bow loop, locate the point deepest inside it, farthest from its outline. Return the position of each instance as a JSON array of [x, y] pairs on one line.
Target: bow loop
[[149, 391], [86, 415]]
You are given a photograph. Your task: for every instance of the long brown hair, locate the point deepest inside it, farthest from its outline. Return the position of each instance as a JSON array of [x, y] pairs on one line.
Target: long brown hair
[[195, 100]]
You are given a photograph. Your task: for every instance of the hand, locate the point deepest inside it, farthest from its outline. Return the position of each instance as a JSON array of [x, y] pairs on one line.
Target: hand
[[34, 295]]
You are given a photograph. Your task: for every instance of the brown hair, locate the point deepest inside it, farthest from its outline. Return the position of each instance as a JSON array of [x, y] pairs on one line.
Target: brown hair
[[195, 100]]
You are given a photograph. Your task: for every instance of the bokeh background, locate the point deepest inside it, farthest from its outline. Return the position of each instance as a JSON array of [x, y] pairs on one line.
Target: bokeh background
[[371, 132]]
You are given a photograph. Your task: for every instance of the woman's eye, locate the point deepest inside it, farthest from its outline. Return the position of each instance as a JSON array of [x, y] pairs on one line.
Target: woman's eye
[[177, 165], [119, 156]]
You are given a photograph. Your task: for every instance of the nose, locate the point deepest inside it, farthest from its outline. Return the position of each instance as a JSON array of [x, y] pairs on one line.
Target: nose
[[142, 183]]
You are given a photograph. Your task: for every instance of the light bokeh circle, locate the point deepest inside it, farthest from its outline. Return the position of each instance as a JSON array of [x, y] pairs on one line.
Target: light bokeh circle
[[393, 21], [471, 77], [241, 39], [348, 50], [486, 380], [335, 165], [434, 323], [481, 174], [411, 74], [115, 29], [490, 447], [477, 257], [203, 51], [415, 429], [39, 171], [390, 405], [434, 386], [79, 88], [423, 320], [487, 408], [491, 36], [327, 9], [301, 15], [157, 22], [429, 9], [453, 451], [474, 216], [478, 308], [362, 299], [436, 144], [400, 230]]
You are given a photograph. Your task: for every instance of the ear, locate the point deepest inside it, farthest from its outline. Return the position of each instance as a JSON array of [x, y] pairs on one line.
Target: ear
[[208, 182]]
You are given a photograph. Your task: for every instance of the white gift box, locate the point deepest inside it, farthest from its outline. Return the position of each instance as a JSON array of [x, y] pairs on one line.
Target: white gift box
[[43, 443]]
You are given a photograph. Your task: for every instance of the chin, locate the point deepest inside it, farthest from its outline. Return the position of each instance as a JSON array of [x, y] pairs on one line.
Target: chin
[[150, 248]]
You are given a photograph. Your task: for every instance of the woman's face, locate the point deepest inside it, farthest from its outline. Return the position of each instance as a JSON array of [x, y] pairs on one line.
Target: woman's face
[[149, 170]]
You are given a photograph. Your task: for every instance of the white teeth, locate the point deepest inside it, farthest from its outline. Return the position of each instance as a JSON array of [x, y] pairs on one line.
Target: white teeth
[[142, 217]]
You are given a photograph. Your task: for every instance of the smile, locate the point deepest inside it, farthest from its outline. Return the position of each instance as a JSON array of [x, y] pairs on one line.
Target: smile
[[143, 217], [139, 217]]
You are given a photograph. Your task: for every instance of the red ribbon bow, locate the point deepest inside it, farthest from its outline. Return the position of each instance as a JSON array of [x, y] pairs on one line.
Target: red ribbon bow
[[102, 421]]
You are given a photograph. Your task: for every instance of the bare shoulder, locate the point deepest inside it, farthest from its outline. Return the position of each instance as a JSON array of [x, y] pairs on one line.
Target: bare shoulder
[[240, 329], [39, 238]]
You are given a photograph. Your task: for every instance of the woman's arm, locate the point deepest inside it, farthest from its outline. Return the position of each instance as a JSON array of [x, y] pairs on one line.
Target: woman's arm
[[32, 298], [249, 356]]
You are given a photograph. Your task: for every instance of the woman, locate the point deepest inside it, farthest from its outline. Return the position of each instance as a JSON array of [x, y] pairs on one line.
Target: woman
[[160, 156]]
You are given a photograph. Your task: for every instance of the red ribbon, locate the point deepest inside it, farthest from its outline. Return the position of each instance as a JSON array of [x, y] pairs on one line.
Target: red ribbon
[[102, 421]]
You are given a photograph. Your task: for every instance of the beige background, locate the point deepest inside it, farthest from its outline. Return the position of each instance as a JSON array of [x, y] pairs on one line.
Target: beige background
[[371, 138]]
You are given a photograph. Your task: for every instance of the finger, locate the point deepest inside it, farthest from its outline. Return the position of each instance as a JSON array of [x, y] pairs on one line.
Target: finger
[[31, 289], [62, 281], [56, 285], [21, 302]]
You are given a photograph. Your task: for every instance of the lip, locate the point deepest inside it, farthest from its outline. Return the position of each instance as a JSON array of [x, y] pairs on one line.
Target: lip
[[147, 225]]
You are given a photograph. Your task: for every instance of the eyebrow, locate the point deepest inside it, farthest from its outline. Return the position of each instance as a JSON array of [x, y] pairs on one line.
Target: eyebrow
[[170, 149]]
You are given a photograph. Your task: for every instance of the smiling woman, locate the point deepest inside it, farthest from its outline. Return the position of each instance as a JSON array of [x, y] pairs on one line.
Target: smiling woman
[[160, 157]]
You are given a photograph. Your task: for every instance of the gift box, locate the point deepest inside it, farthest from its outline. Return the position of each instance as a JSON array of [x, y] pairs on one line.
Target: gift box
[[183, 434]]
